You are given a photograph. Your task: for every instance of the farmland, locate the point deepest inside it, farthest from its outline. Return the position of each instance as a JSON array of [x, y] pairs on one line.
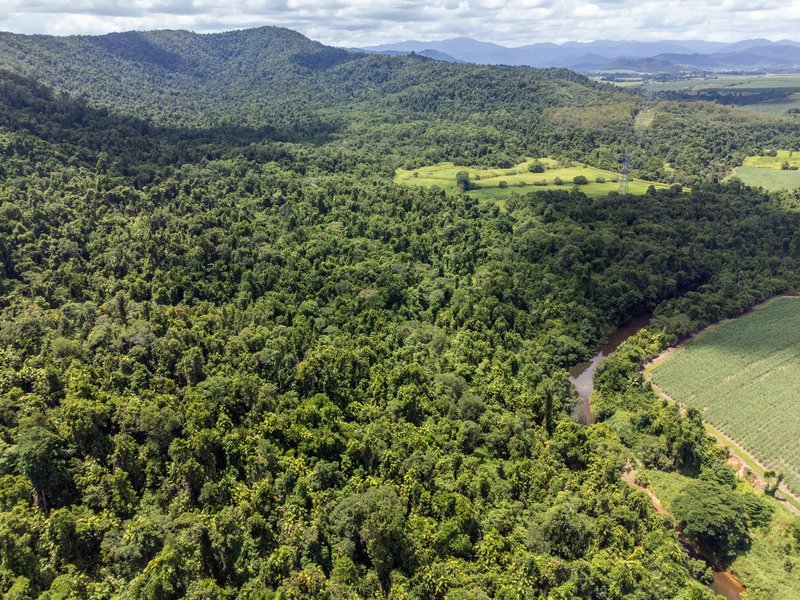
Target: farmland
[[498, 184], [764, 93], [743, 376], [767, 172]]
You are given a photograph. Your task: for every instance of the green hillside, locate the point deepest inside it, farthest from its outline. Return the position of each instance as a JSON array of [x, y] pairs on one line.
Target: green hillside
[[412, 110], [239, 361]]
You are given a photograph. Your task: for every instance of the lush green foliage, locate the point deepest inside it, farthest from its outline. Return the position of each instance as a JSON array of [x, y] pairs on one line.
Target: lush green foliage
[[769, 564], [714, 517], [238, 362], [409, 111], [689, 474]]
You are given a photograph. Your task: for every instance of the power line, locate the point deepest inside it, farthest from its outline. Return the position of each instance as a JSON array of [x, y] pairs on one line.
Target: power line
[[638, 131]]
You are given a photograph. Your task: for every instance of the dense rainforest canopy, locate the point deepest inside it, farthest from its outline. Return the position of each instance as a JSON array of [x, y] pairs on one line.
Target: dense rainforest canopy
[[237, 362]]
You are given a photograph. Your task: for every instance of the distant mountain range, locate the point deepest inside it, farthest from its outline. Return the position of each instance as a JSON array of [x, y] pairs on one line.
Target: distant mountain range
[[605, 55]]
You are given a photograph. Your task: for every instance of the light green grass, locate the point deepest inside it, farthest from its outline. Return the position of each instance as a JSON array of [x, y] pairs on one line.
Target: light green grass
[[770, 179], [777, 107], [727, 83], [774, 162], [744, 376], [666, 486], [766, 566], [644, 120], [519, 179], [766, 172]]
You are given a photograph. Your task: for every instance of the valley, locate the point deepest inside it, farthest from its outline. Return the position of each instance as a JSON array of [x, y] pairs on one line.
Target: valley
[[283, 320]]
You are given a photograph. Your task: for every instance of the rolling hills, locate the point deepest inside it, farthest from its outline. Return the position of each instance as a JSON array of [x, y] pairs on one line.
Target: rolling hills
[[238, 361], [275, 84], [605, 55]]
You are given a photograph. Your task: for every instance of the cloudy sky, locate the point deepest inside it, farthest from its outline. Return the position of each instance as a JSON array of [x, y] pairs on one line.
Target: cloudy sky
[[366, 22]]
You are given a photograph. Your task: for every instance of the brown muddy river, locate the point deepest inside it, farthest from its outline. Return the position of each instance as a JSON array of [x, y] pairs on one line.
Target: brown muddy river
[[725, 585], [582, 374]]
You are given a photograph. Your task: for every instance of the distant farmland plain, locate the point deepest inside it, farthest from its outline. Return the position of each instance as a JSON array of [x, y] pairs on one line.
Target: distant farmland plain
[[744, 376]]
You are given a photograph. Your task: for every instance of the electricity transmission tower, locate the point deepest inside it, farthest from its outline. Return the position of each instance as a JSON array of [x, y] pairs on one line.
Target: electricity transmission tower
[[623, 179]]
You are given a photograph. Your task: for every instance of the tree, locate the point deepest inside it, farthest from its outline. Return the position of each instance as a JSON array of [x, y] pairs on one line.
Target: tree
[[41, 458], [373, 522], [580, 180], [462, 181], [192, 365], [536, 166], [713, 517], [567, 530]]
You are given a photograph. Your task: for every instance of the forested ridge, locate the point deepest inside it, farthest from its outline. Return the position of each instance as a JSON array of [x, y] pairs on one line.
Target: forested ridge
[[237, 362], [408, 111]]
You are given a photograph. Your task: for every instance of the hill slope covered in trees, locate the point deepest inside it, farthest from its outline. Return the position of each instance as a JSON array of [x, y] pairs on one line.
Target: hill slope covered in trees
[[237, 362], [411, 110]]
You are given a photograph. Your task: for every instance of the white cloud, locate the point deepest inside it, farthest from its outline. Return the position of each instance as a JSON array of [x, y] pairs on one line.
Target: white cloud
[[587, 10], [365, 22]]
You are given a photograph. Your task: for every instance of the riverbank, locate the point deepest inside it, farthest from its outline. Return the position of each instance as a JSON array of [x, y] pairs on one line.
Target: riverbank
[[745, 464], [769, 565], [724, 582], [582, 374]]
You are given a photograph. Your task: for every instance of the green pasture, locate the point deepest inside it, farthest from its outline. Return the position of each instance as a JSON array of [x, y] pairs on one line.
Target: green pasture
[[770, 179], [727, 83], [743, 376], [766, 172], [774, 162], [778, 107], [519, 180]]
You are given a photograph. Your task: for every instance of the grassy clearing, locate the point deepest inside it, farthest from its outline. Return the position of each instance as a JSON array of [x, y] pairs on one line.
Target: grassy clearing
[[769, 179], [774, 162], [766, 172], [765, 566], [644, 120], [518, 179], [743, 375], [666, 486]]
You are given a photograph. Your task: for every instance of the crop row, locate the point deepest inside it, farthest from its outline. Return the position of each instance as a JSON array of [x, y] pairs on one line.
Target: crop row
[[743, 376]]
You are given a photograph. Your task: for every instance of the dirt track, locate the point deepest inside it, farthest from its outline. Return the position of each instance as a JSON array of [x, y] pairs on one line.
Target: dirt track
[[738, 456]]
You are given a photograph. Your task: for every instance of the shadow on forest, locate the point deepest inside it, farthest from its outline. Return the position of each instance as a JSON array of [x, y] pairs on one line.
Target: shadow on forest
[[28, 106], [134, 46]]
